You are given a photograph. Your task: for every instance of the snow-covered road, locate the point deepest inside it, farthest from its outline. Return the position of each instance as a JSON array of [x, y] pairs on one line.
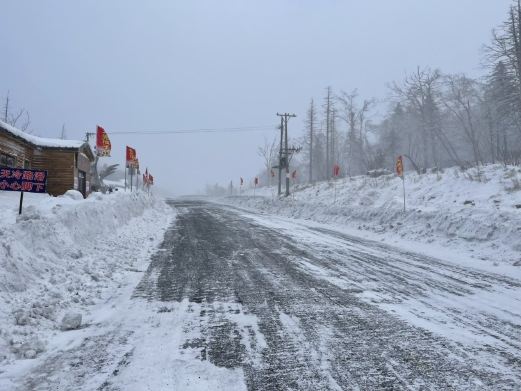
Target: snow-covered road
[[237, 300]]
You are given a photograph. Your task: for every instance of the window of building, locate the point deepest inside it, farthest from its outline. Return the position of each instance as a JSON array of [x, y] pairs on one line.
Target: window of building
[[27, 164], [7, 160]]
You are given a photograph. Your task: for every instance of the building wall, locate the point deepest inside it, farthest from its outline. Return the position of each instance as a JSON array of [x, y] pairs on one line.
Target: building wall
[[62, 165], [83, 163], [60, 169], [16, 148]]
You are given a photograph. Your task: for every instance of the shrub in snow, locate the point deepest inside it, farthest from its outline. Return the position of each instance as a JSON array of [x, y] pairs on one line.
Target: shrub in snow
[[29, 348], [31, 353], [21, 318], [71, 321], [378, 173]]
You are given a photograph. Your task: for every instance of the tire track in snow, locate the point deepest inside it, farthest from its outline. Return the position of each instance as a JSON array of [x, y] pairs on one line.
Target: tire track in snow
[[341, 341]]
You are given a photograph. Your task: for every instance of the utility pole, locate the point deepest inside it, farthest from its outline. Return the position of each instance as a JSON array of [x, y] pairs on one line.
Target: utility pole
[[280, 152], [284, 161], [286, 153]]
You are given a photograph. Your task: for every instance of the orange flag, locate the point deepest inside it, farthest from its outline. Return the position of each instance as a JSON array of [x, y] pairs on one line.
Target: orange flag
[[399, 166]]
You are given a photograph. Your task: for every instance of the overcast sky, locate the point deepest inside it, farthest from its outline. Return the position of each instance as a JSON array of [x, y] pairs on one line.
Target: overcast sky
[[172, 64]]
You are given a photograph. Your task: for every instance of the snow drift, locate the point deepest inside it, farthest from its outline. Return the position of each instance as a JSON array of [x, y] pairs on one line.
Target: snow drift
[[478, 209], [65, 253]]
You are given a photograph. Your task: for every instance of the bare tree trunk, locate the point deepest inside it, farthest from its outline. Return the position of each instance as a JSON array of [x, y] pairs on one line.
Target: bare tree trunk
[[328, 124], [311, 125]]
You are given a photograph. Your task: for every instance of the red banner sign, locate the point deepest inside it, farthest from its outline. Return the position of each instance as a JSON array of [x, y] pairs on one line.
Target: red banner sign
[[19, 179], [147, 178], [336, 170], [131, 157], [103, 145]]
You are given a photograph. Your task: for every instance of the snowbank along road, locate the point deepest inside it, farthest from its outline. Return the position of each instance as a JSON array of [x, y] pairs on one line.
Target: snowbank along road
[[236, 300]]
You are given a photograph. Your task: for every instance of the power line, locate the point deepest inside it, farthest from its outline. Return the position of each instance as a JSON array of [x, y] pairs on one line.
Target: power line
[[242, 129]]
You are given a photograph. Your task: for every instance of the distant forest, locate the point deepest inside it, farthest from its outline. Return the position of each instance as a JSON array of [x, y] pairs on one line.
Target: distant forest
[[434, 119]]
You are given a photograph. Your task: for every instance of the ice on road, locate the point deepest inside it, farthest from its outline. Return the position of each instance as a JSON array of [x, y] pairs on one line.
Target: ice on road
[[235, 300]]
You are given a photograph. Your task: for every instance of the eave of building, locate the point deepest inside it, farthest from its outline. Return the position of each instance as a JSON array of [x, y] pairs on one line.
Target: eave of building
[[16, 134]]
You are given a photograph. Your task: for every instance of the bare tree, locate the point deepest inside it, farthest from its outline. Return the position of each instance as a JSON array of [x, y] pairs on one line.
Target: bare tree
[[355, 116], [63, 134], [462, 99], [421, 91], [268, 152], [19, 119], [311, 125], [328, 110]]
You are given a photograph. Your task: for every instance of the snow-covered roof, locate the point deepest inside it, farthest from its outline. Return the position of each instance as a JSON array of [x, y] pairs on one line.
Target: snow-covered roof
[[41, 141]]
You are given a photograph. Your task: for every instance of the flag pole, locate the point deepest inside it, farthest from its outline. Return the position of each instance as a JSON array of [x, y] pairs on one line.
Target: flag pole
[[21, 202], [403, 183], [131, 174], [401, 173]]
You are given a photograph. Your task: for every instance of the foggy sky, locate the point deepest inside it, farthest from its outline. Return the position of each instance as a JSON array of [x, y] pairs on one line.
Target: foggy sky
[[167, 65]]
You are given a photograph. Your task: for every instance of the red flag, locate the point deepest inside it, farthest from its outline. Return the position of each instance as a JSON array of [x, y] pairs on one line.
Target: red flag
[[399, 166], [256, 181], [150, 179], [131, 156], [103, 145], [294, 174], [336, 170]]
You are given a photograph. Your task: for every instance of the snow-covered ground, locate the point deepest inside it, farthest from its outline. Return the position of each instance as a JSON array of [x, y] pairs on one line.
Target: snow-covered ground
[[66, 254], [467, 212]]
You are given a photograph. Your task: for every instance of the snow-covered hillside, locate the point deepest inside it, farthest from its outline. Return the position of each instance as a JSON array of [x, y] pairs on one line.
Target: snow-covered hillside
[[476, 210], [64, 254]]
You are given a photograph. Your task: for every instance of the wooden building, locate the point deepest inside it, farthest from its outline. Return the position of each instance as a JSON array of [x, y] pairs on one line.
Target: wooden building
[[67, 162]]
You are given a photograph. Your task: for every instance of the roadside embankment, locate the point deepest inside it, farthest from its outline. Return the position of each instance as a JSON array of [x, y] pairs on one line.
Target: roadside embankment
[[476, 210], [64, 254]]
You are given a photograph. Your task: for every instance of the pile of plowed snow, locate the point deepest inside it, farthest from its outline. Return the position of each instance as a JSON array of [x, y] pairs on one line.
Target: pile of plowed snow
[[64, 254], [478, 209]]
